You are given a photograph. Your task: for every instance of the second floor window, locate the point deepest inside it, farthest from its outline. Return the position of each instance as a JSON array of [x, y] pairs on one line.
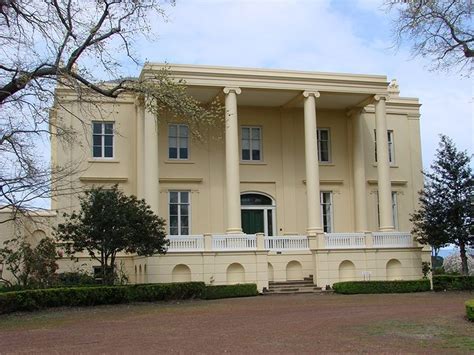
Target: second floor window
[[103, 139], [251, 144], [179, 212], [178, 141], [327, 211], [324, 144], [391, 148]]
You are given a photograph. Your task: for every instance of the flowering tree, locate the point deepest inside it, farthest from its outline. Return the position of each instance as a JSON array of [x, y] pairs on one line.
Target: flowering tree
[[452, 263]]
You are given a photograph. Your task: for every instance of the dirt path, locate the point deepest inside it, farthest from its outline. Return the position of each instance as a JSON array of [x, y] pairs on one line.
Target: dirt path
[[410, 323]]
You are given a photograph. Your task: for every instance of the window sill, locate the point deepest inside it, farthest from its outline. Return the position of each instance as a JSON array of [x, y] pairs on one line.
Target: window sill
[[104, 160], [177, 161], [326, 164], [244, 162], [391, 165]]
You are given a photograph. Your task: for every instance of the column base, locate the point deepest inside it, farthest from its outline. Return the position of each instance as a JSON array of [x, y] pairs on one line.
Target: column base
[[234, 231], [387, 229], [313, 232]]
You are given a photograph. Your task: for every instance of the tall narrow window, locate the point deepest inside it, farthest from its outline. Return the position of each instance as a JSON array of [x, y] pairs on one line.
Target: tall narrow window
[[324, 145], [179, 212], [327, 211], [103, 139], [391, 148], [178, 141], [394, 209], [251, 144]]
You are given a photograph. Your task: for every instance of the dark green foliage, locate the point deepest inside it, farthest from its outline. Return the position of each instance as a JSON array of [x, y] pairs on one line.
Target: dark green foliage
[[453, 283], [437, 261], [111, 222], [66, 279], [227, 291], [470, 310], [29, 300], [29, 266], [444, 216], [405, 286]]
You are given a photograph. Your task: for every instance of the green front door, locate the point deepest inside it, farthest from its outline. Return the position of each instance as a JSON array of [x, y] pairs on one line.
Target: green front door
[[252, 221]]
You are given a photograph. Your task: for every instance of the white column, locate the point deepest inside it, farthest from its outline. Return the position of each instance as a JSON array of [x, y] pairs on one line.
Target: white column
[[232, 161], [140, 114], [358, 164], [150, 163], [312, 164], [383, 166]]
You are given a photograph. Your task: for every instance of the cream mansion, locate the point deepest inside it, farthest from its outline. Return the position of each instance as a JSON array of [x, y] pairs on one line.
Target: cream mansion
[[315, 176]]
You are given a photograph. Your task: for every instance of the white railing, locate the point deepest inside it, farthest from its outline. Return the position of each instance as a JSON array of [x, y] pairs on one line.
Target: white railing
[[185, 243], [234, 242], [344, 240], [392, 240], [295, 242]]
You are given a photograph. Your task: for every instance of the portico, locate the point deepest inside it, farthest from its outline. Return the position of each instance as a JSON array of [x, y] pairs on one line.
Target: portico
[[346, 93]]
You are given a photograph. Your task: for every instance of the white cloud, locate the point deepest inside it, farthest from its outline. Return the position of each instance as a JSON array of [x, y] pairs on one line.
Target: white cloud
[[347, 36]]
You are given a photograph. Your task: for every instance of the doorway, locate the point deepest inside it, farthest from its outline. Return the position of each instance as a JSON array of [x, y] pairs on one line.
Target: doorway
[[257, 213]]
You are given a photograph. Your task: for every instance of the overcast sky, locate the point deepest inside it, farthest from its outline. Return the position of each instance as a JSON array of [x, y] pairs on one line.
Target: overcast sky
[[320, 35]]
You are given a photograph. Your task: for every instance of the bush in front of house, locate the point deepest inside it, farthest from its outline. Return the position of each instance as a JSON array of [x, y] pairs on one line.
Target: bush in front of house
[[453, 283], [470, 310], [402, 286], [29, 300], [227, 291]]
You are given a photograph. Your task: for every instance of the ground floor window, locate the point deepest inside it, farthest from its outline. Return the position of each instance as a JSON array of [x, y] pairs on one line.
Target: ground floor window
[[327, 211], [179, 212]]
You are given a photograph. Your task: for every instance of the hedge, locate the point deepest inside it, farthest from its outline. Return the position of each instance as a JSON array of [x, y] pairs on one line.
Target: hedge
[[29, 300], [453, 283], [226, 291], [405, 286], [470, 310]]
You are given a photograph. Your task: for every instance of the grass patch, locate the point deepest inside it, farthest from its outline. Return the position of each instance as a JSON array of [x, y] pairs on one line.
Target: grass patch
[[429, 335]]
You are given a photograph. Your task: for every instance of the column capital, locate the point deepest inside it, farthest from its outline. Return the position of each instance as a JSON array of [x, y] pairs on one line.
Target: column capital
[[139, 100], [228, 90], [308, 93], [379, 97]]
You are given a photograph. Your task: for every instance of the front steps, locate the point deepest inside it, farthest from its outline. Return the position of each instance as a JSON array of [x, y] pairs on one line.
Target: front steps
[[290, 287]]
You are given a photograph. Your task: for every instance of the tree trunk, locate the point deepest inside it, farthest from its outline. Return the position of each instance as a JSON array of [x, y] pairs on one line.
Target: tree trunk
[[464, 268]]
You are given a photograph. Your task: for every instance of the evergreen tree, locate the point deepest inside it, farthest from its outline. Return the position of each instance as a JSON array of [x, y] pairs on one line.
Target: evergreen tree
[[444, 216], [109, 223]]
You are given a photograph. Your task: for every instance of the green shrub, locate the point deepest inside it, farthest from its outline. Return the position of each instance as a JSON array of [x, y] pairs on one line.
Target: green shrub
[[66, 279], [453, 283], [227, 291], [404, 286], [29, 300], [470, 310]]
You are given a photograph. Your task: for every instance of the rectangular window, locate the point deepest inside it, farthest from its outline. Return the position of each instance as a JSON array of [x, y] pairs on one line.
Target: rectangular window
[[391, 148], [251, 144], [324, 145], [327, 211], [178, 141], [394, 209], [179, 212], [103, 139]]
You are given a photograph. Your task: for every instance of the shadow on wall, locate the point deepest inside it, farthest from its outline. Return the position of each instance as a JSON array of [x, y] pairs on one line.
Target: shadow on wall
[[347, 271], [294, 271], [181, 273], [235, 273], [394, 270]]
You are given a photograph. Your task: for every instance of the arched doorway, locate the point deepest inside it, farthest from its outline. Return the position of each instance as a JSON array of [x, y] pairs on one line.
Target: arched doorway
[[258, 213]]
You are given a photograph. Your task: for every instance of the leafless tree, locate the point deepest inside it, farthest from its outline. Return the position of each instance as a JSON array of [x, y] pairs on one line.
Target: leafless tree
[[441, 30], [79, 44]]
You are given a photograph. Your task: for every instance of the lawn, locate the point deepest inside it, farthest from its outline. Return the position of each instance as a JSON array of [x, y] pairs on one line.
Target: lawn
[[415, 323]]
